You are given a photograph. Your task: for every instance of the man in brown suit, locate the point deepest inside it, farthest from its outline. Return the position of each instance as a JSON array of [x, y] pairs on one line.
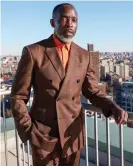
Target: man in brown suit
[[58, 69]]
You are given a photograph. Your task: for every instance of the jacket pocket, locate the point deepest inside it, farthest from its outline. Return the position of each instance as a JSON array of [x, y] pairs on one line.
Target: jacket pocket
[[40, 137]]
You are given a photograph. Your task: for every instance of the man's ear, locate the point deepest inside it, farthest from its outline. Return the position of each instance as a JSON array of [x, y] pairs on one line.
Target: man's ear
[[52, 22]]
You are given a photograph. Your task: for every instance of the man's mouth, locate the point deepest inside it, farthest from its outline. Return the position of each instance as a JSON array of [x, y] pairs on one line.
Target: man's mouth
[[69, 30]]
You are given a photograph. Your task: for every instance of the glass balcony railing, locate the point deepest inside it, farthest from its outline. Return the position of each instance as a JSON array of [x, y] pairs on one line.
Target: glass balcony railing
[[106, 143]]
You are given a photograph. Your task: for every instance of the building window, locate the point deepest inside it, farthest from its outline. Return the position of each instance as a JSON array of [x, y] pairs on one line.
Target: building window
[[123, 104], [128, 100], [123, 99], [128, 109], [128, 105]]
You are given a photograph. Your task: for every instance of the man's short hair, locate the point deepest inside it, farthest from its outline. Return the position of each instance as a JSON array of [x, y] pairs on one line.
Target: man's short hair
[[56, 8]]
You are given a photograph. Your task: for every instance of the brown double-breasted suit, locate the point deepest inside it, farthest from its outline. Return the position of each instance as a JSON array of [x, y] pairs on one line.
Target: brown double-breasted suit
[[55, 120]]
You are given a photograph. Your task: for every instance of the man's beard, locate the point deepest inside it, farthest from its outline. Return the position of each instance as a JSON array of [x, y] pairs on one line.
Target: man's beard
[[63, 39]]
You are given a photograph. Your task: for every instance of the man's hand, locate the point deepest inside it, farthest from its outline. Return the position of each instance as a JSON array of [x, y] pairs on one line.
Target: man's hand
[[119, 115]]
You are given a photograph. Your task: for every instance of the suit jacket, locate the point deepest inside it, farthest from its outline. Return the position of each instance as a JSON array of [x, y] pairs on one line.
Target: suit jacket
[[56, 112]]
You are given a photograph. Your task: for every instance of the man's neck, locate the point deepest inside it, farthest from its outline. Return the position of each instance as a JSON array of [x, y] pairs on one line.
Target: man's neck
[[62, 39], [60, 44]]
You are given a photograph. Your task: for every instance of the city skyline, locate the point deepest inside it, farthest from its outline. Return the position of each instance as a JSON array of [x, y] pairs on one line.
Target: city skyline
[[107, 25]]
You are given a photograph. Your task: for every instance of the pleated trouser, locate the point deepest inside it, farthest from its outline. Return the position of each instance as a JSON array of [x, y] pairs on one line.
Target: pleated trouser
[[44, 158]]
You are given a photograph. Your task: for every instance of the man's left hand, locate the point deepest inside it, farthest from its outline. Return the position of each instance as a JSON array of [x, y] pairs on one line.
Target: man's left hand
[[120, 115]]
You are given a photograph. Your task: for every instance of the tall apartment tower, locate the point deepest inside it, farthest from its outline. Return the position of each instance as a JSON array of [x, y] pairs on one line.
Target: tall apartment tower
[[117, 69], [96, 60], [127, 96], [90, 47], [122, 70], [126, 72], [123, 95]]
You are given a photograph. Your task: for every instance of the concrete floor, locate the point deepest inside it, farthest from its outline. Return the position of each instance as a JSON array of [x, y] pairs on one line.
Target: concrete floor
[[12, 160]]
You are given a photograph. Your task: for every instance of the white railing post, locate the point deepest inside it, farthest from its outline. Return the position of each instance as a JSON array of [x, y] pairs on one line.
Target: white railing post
[[18, 148], [23, 153], [4, 124], [108, 141], [28, 152], [121, 145], [86, 140], [96, 139]]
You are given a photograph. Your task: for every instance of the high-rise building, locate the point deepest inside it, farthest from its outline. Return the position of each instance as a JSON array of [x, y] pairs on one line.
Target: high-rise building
[[96, 60], [103, 87], [96, 63], [90, 47], [126, 72], [122, 71], [111, 66], [117, 93], [127, 96], [117, 69], [103, 70], [104, 61], [124, 95]]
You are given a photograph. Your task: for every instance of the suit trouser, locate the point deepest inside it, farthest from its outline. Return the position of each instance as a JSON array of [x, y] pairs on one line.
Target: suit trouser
[[44, 158]]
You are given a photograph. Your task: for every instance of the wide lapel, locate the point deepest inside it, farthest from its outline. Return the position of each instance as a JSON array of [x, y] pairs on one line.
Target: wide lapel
[[55, 59], [73, 59]]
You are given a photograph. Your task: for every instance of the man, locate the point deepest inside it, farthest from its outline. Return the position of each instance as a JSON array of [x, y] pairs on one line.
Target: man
[[58, 69]]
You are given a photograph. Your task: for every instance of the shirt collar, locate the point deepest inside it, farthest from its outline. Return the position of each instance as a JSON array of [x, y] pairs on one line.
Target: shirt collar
[[60, 44]]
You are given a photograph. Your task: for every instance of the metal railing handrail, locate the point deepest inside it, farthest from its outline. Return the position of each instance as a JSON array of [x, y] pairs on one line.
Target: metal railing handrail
[[86, 106], [6, 92], [92, 108]]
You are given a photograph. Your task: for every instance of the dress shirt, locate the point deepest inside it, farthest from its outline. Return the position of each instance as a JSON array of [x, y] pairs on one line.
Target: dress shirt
[[63, 50]]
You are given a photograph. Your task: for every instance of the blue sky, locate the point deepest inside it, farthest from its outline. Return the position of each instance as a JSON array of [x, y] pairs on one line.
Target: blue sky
[[107, 25]]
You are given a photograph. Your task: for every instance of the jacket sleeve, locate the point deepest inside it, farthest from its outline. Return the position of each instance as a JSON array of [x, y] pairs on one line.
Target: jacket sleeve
[[91, 91], [20, 94]]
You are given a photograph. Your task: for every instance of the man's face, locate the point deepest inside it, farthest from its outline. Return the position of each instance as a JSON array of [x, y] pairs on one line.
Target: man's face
[[65, 23]]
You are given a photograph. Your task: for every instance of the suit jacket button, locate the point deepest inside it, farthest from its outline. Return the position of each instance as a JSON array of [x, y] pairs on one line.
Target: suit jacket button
[[64, 156], [57, 99], [73, 98], [73, 116], [50, 81], [78, 80], [70, 133]]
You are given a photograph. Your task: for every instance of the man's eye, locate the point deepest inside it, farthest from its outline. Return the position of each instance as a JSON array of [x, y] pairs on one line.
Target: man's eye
[[74, 20], [63, 19]]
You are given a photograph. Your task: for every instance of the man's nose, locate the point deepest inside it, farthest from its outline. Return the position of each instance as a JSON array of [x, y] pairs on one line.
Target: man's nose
[[69, 23]]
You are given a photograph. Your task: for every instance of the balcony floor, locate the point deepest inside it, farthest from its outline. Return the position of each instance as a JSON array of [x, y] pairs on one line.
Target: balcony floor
[[12, 159]]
